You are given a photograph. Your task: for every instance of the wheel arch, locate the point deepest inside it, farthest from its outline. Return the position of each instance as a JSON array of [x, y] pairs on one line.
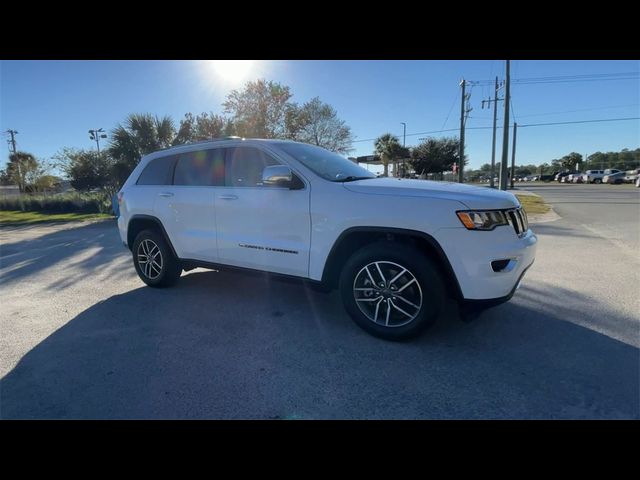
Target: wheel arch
[[138, 223], [355, 238]]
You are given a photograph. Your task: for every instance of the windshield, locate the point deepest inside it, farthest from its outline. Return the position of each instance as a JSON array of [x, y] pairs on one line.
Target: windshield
[[328, 165]]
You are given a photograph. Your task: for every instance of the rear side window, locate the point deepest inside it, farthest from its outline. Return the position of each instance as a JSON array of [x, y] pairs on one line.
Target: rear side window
[[244, 166], [202, 168], [158, 172]]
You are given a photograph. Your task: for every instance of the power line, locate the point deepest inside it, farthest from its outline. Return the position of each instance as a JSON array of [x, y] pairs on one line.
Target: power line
[[562, 123], [579, 110], [580, 121], [519, 126], [450, 110], [568, 78], [412, 134], [578, 81]]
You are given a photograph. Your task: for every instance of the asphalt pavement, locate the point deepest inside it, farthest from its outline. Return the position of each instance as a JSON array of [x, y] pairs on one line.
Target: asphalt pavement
[[83, 337]]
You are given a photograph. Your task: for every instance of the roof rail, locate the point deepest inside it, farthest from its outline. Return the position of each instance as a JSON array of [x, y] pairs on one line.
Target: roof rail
[[219, 139]]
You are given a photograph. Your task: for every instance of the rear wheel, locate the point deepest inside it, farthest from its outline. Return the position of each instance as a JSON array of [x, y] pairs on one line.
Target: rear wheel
[[597, 180], [391, 290], [154, 261]]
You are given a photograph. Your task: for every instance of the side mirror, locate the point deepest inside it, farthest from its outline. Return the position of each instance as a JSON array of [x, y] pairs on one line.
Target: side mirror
[[277, 175]]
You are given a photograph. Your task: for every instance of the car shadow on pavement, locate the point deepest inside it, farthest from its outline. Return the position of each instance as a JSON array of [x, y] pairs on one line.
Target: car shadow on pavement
[[77, 250], [230, 345]]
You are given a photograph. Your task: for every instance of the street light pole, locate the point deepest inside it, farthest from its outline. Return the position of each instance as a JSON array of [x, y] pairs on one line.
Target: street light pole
[[404, 144], [97, 135]]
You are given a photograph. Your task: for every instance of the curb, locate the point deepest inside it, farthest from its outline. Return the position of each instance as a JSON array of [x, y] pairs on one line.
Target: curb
[[550, 216]]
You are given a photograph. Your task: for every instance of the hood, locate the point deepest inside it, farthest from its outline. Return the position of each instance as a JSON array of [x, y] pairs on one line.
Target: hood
[[472, 197]]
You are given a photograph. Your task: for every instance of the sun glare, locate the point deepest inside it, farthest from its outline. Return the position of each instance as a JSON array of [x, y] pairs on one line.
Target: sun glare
[[231, 71]]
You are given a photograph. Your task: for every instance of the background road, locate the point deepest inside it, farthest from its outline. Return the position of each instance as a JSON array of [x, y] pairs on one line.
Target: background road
[[82, 337]]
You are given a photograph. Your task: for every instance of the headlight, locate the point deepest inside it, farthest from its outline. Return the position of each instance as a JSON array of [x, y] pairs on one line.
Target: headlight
[[482, 220]]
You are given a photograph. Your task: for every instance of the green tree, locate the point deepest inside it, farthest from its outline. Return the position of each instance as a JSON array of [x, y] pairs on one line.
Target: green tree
[[570, 161], [317, 123], [202, 127], [388, 148], [46, 183], [5, 178], [140, 134], [526, 170], [436, 155], [22, 169], [86, 169], [259, 109]]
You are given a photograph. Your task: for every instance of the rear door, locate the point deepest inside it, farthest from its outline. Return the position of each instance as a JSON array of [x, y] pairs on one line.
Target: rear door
[[187, 207], [259, 226]]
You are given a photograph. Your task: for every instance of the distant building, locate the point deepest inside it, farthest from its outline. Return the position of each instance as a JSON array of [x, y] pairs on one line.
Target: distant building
[[7, 191]]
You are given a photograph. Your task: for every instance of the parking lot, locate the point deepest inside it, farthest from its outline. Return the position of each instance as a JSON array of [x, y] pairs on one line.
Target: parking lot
[[83, 337]]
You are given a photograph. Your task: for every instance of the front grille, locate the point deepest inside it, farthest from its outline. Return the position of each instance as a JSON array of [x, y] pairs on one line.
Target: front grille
[[518, 220]]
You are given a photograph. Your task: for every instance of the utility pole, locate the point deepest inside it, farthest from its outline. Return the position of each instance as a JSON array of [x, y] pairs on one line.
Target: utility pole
[[493, 143], [13, 134], [513, 153], [464, 112], [505, 137]]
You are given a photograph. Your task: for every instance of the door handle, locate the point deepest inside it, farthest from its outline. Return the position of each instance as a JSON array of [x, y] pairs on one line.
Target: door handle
[[166, 194], [228, 197]]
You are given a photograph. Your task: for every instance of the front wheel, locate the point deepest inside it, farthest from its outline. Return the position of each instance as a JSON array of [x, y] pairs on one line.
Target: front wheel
[[392, 290], [597, 181]]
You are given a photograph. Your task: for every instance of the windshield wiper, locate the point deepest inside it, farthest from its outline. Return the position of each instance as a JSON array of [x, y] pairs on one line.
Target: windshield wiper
[[352, 178]]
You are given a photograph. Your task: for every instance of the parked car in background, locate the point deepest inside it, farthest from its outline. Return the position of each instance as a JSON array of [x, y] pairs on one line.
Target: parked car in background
[[638, 181], [593, 176], [561, 177], [614, 178], [631, 175], [548, 177], [569, 178]]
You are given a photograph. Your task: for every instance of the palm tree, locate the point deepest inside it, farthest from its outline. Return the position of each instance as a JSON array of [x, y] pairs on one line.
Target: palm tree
[[388, 147], [140, 134]]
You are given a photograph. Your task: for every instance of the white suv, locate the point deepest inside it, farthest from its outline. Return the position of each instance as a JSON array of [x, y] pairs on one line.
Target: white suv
[[394, 248], [597, 176]]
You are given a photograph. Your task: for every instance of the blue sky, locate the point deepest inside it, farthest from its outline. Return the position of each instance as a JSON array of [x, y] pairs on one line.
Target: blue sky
[[52, 104]]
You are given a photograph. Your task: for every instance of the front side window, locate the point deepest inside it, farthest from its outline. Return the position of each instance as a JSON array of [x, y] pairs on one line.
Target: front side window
[[201, 168], [158, 172], [328, 165], [244, 166]]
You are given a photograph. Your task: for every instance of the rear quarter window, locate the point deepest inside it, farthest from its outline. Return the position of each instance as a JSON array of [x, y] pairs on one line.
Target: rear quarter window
[[158, 171]]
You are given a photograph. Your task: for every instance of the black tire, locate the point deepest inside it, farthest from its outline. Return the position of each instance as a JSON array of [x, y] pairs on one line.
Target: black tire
[[165, 270], [392, 255], [597, 181]]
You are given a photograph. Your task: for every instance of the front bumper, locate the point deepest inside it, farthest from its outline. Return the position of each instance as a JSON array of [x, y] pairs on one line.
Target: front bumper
[[470, 254]]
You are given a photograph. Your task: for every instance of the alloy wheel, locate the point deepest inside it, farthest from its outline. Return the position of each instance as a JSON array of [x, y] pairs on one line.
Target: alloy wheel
[[149, 259], [387, 293]]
